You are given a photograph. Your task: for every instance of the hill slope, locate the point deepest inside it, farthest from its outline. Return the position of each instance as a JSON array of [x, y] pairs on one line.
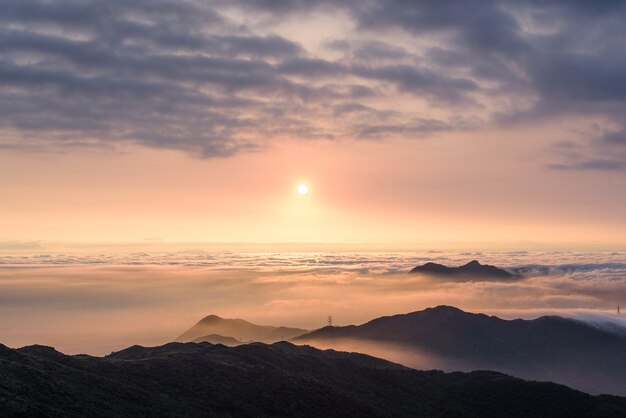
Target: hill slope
[[548, 348], [257, 380], [216, 339], [239, 330]]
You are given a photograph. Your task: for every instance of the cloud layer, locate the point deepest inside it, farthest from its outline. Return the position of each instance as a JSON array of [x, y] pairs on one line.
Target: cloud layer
[[215, 78], [101, 301]]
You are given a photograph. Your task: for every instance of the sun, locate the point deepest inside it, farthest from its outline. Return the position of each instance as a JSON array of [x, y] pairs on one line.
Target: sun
[[303, 189]]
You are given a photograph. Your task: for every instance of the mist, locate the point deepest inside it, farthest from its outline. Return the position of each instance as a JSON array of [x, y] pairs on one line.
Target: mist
[[397, 353], [97, 302]]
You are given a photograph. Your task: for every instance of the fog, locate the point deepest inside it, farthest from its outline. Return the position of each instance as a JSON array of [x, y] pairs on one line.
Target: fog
[[398, 353], [99, 301]]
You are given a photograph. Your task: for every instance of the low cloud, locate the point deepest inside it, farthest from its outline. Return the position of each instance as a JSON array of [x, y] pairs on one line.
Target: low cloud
[[601, 165], [20, 245], [105, 300]]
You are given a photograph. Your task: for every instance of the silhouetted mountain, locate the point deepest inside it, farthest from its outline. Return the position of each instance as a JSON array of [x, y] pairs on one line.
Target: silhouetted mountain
[[471, 270], [549, 348], [239, 329], [217, 339], [258, 380]]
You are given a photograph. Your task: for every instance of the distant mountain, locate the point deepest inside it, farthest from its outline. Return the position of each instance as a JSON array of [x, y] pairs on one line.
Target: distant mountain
[[239, 330], [217, 339], [258, 380], [471, 270], [549, 348]]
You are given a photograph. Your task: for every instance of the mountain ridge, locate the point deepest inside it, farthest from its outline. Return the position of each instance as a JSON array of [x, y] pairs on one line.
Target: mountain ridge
[[216, 339], [548, 348], [471, 270], [239, 330]]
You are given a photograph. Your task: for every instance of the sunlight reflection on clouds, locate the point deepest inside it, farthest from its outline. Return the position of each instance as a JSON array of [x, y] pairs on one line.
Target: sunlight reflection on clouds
[[97, 303]]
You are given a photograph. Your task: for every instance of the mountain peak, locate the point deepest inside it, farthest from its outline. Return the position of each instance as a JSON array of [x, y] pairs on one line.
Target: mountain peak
[[42, 350], [210, 318], [446, 308], [471, 270], [213, 328]]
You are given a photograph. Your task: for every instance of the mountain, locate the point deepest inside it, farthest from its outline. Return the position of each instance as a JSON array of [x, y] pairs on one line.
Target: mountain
[[217, 339], [239, 330], [258, 380], [471, 270], [549, 348]]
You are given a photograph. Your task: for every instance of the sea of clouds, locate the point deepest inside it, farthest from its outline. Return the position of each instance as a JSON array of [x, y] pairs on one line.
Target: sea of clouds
[[99, 301]]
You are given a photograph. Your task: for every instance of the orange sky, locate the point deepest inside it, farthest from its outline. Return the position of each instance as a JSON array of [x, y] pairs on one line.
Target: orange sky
[[458, 124], [453, 188]]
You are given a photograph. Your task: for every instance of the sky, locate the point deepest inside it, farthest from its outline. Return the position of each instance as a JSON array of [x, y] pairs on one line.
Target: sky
[[411, 122]]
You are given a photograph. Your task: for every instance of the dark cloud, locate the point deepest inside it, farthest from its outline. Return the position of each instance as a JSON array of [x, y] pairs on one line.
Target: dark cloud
[[584, 77], [310, 67], [479, 25], [163, 74], [182, 75], [421, 81], [615, 137], [591, 165], [376, 51], [418, 127], [564, 57]]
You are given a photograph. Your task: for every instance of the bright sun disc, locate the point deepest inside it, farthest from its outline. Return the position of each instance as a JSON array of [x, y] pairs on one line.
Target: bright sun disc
[[303, 189]]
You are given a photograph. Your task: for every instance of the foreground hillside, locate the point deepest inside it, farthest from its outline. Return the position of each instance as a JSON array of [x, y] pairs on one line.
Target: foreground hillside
[[551, 348], [257, 380]]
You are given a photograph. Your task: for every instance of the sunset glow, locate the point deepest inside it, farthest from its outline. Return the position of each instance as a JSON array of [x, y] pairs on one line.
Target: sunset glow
[[402, 179], [303, 189]]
